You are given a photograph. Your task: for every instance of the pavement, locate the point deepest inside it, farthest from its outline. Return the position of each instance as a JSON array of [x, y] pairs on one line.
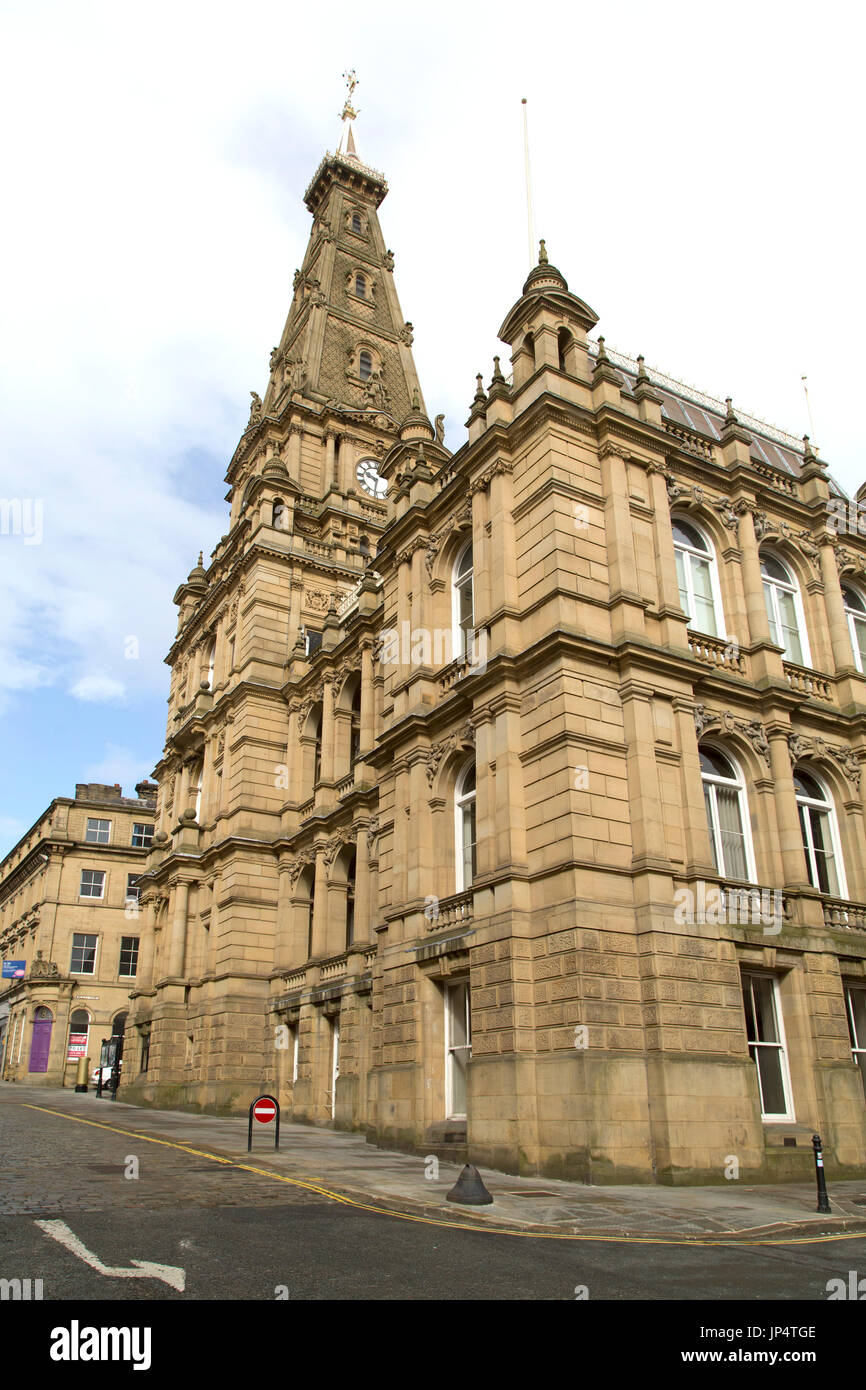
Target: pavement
[[318, 1163]]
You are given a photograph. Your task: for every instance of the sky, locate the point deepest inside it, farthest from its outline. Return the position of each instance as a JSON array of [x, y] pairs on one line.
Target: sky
[[696, 174]]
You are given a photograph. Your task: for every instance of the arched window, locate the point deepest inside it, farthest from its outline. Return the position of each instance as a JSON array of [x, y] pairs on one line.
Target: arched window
[[365, 366], [350, 901], [855, 612], [529, 349], [820, 831], [198, 773], [317, 755], [208, 665], [463, 603], [563, 342], [727, 816], [364, 545], [361, 286], [79, 1033], [280, 518], [355, 730], [356, 224], [311, 908], [785, 609], [464, 816], [697, 578]]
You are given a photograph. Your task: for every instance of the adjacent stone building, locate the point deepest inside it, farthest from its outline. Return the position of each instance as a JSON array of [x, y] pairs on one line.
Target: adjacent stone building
[[69, 920], [513, 799]]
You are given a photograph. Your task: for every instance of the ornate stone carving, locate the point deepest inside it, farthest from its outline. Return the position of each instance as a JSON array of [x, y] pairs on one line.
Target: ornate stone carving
[[42, 969], [761, 523], [300, 862], [727, 515], [752, 729], [388, 259], [461, 738], [800, 746], [458, 521], [317, 599], [333, 846], [439, 427], [256, 409], [406, 334], [373, 839]]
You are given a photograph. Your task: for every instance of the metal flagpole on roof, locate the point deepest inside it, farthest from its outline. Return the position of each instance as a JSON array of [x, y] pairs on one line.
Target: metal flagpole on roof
[[530, 228]]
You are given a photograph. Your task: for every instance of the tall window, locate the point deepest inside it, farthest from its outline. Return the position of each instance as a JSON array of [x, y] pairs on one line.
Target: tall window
[[335, 1063], [785, 609], [767, 1045], [821, 844], [365, 366], [361, 286], [98, 831], [727, 816], [356, 224], [92, 883], [855, 612], [458, 1047], [280, 516], [142, 835], [855, 1008], [83, 959], [317, 753], [198, 774], [697, 578], [355, 729], [464, 806], [128, 955], [208, 664], [463, 617], [133, 888], [311, 911], [350, 901]]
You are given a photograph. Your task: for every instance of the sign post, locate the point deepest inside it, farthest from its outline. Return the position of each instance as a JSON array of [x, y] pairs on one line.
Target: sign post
[[265, 1109]]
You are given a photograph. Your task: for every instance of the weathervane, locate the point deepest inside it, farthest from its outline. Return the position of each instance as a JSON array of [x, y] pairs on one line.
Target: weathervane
[[348, 112]]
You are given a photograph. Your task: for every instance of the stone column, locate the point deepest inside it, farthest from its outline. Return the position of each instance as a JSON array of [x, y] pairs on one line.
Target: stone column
[[840, 636], [331, 474], [320, 908], [790, 835], [328, 741], [283, 937], [756, 608], [363, 923], [146, 945], [666, 565], [368, 712], [627, 614], [649, 846], [177, 949]]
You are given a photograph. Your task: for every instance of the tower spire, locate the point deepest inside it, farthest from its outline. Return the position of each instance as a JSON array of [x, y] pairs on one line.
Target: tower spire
[[347, 116]]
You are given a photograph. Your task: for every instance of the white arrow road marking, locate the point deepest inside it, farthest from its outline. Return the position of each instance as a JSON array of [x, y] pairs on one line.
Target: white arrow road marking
[[169, 1274]]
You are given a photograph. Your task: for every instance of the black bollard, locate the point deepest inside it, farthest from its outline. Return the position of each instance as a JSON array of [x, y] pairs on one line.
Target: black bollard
[[469, 1189], [823, 1203]]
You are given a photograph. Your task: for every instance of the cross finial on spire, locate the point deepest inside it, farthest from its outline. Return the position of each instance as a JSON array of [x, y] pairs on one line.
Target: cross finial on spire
[[542, 253], [348, 112]]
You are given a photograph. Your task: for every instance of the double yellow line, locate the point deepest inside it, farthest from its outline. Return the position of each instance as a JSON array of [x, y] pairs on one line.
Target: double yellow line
[[432, 1220]]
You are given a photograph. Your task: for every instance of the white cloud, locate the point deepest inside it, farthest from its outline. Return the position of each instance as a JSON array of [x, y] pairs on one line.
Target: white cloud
[[97, 689], [121, 765]]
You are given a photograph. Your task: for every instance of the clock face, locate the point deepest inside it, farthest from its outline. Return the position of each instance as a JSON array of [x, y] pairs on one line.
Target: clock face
[[368, 476]]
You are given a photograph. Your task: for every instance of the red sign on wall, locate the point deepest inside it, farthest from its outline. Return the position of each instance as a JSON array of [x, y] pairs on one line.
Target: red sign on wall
[[77, 1046]]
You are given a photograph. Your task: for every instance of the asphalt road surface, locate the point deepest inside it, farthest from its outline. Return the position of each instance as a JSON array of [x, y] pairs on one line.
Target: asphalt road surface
[[237, 1235]]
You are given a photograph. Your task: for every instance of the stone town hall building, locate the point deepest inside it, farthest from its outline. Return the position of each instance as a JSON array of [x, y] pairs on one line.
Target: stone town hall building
[[513, 798]]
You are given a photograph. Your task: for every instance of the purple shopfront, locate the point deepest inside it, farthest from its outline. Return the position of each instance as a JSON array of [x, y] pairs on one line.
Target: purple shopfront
[[40, 1044]]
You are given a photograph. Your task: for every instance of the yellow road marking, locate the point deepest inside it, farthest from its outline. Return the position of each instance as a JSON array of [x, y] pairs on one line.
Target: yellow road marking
[[432, 1221]]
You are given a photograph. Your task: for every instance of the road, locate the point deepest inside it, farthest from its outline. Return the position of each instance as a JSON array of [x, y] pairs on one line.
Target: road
[[242, 1235]]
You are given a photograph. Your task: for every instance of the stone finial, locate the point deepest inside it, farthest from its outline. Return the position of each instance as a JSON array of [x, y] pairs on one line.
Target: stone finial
[[201, 559], [439, 427], [416, 400], [602, 351], [730, 417], [497, 371], [479, 397], [542, 253], [642, 374], [808, 454]]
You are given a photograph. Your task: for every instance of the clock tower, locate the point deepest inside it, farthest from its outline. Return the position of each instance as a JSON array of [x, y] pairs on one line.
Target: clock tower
[[310, 496]]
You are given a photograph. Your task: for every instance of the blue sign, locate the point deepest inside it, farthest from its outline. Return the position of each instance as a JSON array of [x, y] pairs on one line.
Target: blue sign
[[14, 969]]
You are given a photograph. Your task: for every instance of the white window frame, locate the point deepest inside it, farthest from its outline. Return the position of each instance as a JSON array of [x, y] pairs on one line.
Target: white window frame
[[462, 800], [451, 1048], [97, 897], [295, 1039], [458, 644], [854, 616], [793, 587], [198, 794], [709, 557], [781, 1045], [828, 805], [95, 839], [714, 780], [124, 975], [209, 670], [89, 973], [858, 1044], [335, 1065]]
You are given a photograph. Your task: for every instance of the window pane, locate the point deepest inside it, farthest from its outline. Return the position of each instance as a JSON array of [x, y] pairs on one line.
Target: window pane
[[467, 827], [857, 1017], [771, 614], [733, 834], [765, 1009], [825, 863], [681, 582], [769, 1061], [859, 625], [790, 629], [705, 613], [708, 802]]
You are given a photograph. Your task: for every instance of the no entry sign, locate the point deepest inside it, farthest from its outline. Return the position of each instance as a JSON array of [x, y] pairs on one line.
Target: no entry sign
[[265, 1109]]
